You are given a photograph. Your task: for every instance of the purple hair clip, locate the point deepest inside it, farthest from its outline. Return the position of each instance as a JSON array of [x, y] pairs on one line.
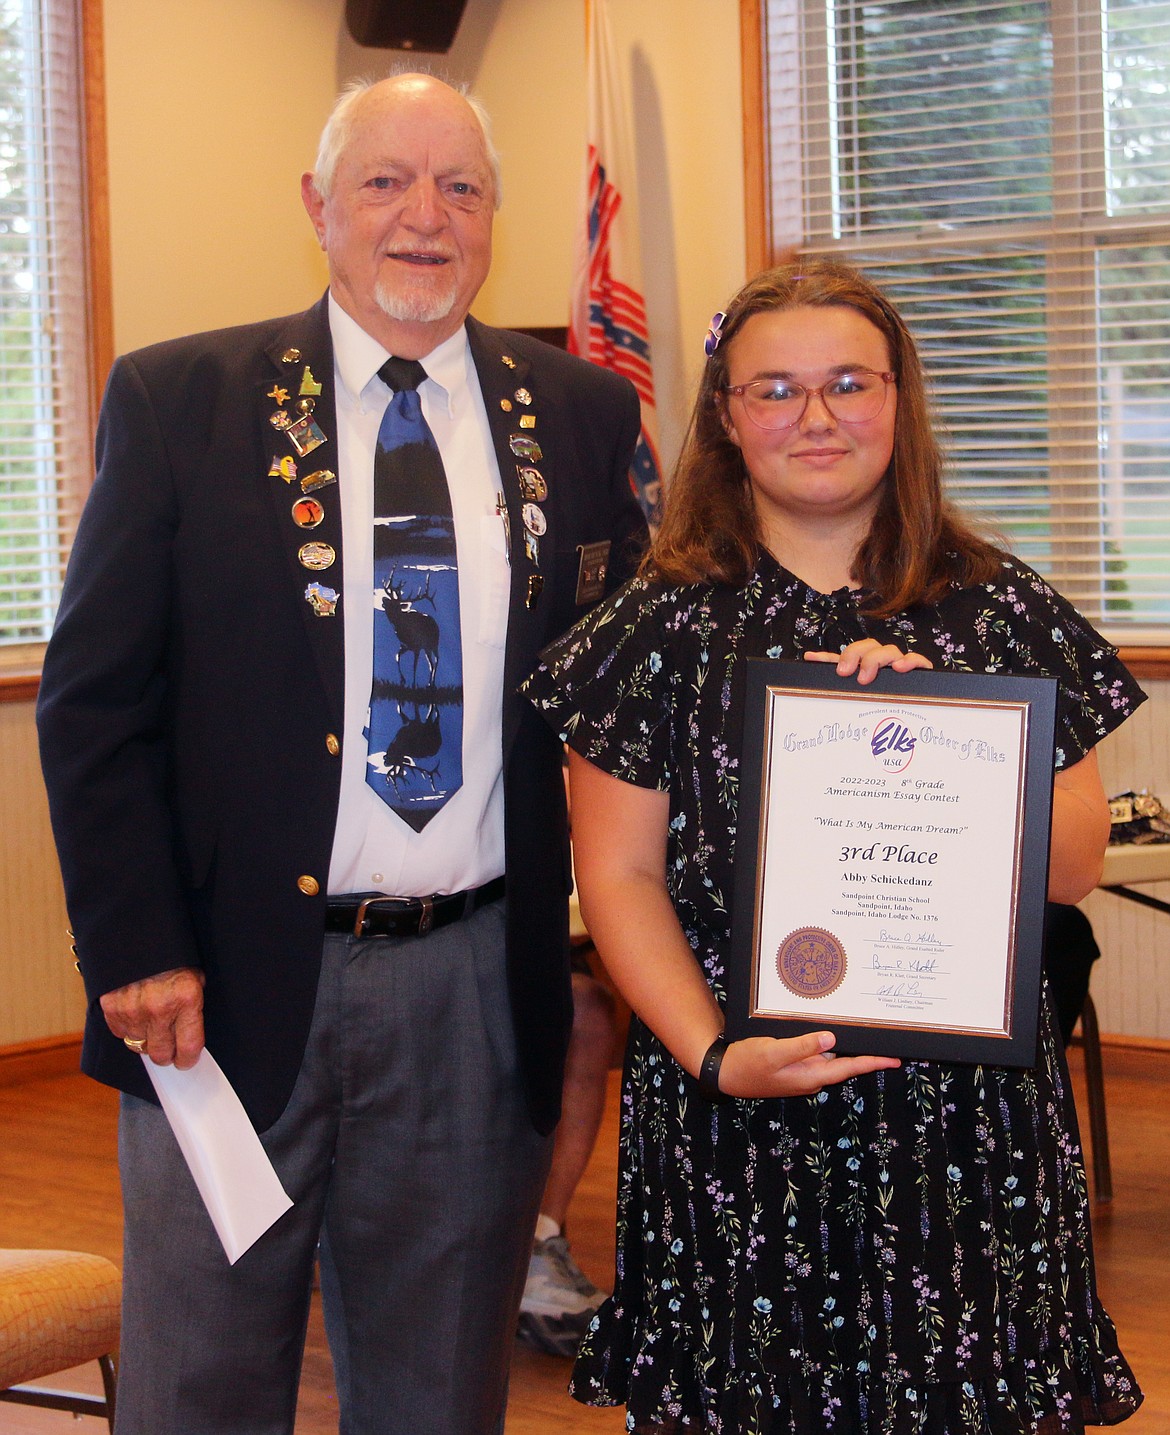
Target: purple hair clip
[[711, 342]]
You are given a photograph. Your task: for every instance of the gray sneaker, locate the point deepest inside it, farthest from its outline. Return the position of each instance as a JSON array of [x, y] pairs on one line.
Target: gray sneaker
[[559, 1300]]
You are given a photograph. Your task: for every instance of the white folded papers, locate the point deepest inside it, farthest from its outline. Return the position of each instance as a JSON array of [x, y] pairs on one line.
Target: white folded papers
[[235, 1177]]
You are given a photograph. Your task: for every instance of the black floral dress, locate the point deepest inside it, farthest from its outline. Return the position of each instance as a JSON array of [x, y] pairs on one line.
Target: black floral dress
[[908, 1251]]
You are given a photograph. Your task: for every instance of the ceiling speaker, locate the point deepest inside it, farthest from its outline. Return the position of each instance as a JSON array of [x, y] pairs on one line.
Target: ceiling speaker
[[428, 25]]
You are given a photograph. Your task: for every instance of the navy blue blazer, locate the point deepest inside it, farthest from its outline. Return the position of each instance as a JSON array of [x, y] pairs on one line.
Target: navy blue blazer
[[190, 692]]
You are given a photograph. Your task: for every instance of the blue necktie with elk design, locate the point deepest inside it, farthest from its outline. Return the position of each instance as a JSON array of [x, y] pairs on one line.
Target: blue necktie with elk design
[[414, 729]]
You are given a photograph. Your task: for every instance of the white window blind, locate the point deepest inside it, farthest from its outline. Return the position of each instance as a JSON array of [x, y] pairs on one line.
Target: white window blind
[[45, 407], [1003, 172]]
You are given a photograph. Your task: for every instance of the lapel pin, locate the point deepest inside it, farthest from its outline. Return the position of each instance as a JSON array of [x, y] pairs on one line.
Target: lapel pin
[[285, 467], [527, 421], [317, 556], [307, 513], [290, 356], [532, 484], [277, 393], [322, 600], [309, 384], [535, 588], [321, 479], [522, 396], [523, 446], [304, 435]]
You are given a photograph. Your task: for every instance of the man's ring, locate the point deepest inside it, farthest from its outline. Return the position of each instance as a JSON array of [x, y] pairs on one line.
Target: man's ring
[[135, 1043]]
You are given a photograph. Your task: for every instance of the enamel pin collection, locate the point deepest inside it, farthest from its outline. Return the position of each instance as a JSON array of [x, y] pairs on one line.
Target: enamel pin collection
[[302, 431], [533, 487], [294, 419]]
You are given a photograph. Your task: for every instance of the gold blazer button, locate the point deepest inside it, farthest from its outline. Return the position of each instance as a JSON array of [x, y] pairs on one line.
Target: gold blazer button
[[309, 885], [332, 745]]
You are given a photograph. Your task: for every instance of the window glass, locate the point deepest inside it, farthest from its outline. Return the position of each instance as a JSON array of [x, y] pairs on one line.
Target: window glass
[[1003, 171], [44, 378]]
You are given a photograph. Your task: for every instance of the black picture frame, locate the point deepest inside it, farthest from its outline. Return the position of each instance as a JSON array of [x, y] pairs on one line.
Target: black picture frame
[[1016, 1044]]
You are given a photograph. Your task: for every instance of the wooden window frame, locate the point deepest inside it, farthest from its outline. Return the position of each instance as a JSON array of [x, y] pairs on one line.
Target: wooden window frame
[[22, 685]]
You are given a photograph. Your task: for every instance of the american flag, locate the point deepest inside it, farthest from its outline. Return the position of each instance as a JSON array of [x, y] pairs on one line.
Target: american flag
[[607, 322]]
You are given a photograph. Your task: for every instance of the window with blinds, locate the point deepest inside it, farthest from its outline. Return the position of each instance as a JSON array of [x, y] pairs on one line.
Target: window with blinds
[[1003, 172], [45, 405]]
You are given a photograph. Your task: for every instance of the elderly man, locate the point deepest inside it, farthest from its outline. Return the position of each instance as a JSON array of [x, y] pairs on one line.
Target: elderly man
[[301, 812]]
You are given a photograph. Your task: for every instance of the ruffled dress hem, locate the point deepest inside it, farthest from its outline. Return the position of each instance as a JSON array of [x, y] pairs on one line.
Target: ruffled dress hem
[[684, 1391]]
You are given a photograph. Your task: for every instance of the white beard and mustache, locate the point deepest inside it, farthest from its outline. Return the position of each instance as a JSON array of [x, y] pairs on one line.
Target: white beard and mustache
[[424, 303]]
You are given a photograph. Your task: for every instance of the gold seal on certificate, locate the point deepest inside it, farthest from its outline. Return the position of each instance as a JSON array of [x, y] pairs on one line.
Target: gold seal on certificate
[[811, 962], [891, 860]]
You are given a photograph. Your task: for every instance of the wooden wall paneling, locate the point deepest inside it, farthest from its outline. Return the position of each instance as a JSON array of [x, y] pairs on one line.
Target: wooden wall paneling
[[42, 991]]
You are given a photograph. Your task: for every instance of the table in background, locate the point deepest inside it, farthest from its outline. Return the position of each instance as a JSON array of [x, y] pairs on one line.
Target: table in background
[[1124, 864]]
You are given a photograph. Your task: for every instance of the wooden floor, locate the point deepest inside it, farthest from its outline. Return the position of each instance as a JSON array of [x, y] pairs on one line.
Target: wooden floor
[[58, 1187]]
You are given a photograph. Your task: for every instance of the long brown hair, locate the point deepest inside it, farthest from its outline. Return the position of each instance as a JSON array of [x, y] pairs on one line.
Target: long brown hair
[[917, 544]]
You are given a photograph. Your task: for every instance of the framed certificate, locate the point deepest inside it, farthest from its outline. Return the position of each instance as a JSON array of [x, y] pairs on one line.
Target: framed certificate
[[892, 861]]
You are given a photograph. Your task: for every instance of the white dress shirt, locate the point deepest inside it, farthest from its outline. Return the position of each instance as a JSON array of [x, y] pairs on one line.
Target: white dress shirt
[[462, 846]]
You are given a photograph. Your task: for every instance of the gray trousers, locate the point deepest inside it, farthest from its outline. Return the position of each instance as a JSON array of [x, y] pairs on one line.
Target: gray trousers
[[407, 1150]]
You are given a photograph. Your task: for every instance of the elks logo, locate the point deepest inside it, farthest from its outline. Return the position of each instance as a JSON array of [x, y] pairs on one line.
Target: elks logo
[[892, 745]]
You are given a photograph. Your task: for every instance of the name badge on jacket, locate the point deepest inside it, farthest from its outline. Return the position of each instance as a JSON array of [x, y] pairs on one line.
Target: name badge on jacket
[[591, 571]]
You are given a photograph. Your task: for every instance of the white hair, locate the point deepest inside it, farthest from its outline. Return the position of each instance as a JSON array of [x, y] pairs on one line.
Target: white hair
[[339, 129]]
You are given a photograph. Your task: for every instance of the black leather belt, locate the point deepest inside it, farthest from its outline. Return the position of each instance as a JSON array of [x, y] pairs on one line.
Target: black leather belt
[[370, 914]]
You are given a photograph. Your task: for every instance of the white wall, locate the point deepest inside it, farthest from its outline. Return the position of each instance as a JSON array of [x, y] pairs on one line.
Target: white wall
[[526, 60], [214, 110]]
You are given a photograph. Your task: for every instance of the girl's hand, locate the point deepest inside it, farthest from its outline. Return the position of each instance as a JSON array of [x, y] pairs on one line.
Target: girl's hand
[[866, 656], [791, 1066]]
